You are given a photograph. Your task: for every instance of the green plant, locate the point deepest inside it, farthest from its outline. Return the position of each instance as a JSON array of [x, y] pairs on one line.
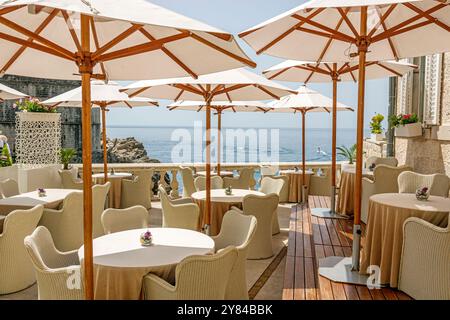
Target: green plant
[[66, 157], [5, 158], [375, 124], [348, 153], [34, 105], [403, 119]]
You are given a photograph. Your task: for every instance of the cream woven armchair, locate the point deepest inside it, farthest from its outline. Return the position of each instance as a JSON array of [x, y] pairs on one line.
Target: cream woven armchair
[[196, 278], [58, 274], [16, 272], [69, 182], [425, 262], [187, 177], [116, 220], [409, 182], [200, 183], [237, 230], [66, 224], [241, 182], [9, 188], [137, 192], [320, 185], [390, 161], [263, 209], [181, 213], [269, 185], [385, 181], [268, 170]]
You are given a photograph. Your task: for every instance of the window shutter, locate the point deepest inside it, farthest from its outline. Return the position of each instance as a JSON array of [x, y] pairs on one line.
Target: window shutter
[[432, 89], [405, 96]]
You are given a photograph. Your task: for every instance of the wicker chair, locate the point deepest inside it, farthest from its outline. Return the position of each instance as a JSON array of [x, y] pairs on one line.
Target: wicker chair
[[269, 185], [180, 213], [54, 270], [425, 262], [196, 278], [16, 272], [137, 192], [116, 220], [69, 182], [263, 209], [200, 183], [268, 170], [187, 177], [385, 181], [9, 188], [320, 185], [390, 161], [409, 182], [241, 182], [237, 230]]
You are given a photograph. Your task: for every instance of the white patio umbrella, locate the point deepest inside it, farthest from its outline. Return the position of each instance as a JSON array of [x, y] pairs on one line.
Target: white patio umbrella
[[307, 72], [104, 95], [232, 85], [107, 39], [340, 30], [220, 107], [306, 101], [7, 93]]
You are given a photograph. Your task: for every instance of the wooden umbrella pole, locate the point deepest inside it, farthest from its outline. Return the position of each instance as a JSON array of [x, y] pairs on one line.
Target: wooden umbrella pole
[[304, 198], [362, 50], [208, 165], [105, 153], [219, 141], [333, 143], [86, 69]]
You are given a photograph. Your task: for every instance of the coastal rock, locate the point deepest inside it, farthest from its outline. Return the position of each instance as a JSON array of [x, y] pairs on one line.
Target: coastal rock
[[127, 150]]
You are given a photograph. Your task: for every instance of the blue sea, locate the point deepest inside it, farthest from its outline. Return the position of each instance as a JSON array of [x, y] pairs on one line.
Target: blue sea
[[160, 143]]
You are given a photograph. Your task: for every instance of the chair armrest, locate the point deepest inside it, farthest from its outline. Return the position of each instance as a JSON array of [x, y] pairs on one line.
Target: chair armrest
[[70, 258], [156, 288], [181, 201], [237, 209]]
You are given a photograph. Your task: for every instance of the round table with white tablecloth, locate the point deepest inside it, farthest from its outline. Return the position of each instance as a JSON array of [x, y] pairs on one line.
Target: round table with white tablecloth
[[121, 262], [296, 183], [346, 201], [220, 204], [384, 233], [115, 192]]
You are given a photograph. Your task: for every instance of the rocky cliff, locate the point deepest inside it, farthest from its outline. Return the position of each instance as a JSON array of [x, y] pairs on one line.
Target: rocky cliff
[[127, 150]]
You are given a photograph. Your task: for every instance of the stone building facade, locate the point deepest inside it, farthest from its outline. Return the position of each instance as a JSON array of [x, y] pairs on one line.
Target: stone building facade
[[426, 92], [70, 117]]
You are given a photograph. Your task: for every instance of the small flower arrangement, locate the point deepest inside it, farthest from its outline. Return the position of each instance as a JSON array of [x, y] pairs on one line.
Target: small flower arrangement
[[375, 124], [146, 238], [403, 119], [41, 192], [33, 105], [423, 193], [229, 191]]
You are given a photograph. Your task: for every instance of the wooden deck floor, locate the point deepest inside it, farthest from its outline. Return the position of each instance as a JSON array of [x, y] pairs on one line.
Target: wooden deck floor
[[311, 239]]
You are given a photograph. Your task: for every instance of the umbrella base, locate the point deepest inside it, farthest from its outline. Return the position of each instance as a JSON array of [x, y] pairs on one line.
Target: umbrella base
[[340, 269], [326, 213]]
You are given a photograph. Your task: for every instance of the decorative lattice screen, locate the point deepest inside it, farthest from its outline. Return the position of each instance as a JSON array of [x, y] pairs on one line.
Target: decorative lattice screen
[[38, 138]]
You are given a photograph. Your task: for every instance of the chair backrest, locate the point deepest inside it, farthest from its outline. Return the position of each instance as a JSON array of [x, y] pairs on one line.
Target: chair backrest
[[386, 177], [320, 185], [237, 230], [187, 177], [268, 170], [241, 182], [216, 183], [270, 185], [438, 184], [68, 181], [137, 192], [205, 277], [390, 161], [9, 188], [116, 220], [261, 206], [99, 194]]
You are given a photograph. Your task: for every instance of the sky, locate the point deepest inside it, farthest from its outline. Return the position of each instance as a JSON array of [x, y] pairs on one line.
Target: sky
[[235, 16]]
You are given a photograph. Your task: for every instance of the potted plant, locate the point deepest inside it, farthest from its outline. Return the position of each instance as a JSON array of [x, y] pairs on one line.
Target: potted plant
[[406, 125], [377, 128], [349, 154], [67, 156], [33, 105]]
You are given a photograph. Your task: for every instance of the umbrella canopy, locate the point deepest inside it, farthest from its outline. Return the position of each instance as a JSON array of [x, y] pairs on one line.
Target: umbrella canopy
[[105, 39], [306, 72], [124, 39], [329, 30], [7, 93], [231, 85], [221, 106]]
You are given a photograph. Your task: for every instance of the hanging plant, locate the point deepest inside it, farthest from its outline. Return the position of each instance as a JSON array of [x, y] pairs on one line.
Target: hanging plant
[[33, 105]]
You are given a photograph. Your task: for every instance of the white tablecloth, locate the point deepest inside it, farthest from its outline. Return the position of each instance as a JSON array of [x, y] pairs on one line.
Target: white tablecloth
[[222, 173], [120, 262]]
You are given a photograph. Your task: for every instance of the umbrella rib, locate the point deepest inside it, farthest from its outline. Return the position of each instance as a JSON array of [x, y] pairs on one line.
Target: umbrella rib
[[72, 30], [391, 42], [382, 20], [171, 55], [36, 37], [124, 35], [10, 9], [232, 88], [179, 95], [345, 65], [324, 34], [221, 50], [389, 69], [288, 32], [337, 34], [279, 73], [347, 21], [134, 94], [427, 16], [188, 88], [22, 49], [228, 97], [97, 44], [129, 105], [268, 92]]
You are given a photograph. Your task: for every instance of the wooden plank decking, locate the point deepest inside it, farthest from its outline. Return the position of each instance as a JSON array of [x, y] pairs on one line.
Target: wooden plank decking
[[311, 239]]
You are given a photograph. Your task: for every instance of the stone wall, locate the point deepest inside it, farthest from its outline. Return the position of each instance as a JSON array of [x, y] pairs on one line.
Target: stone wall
[[427, 154], [71, 117], [375, 149]]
